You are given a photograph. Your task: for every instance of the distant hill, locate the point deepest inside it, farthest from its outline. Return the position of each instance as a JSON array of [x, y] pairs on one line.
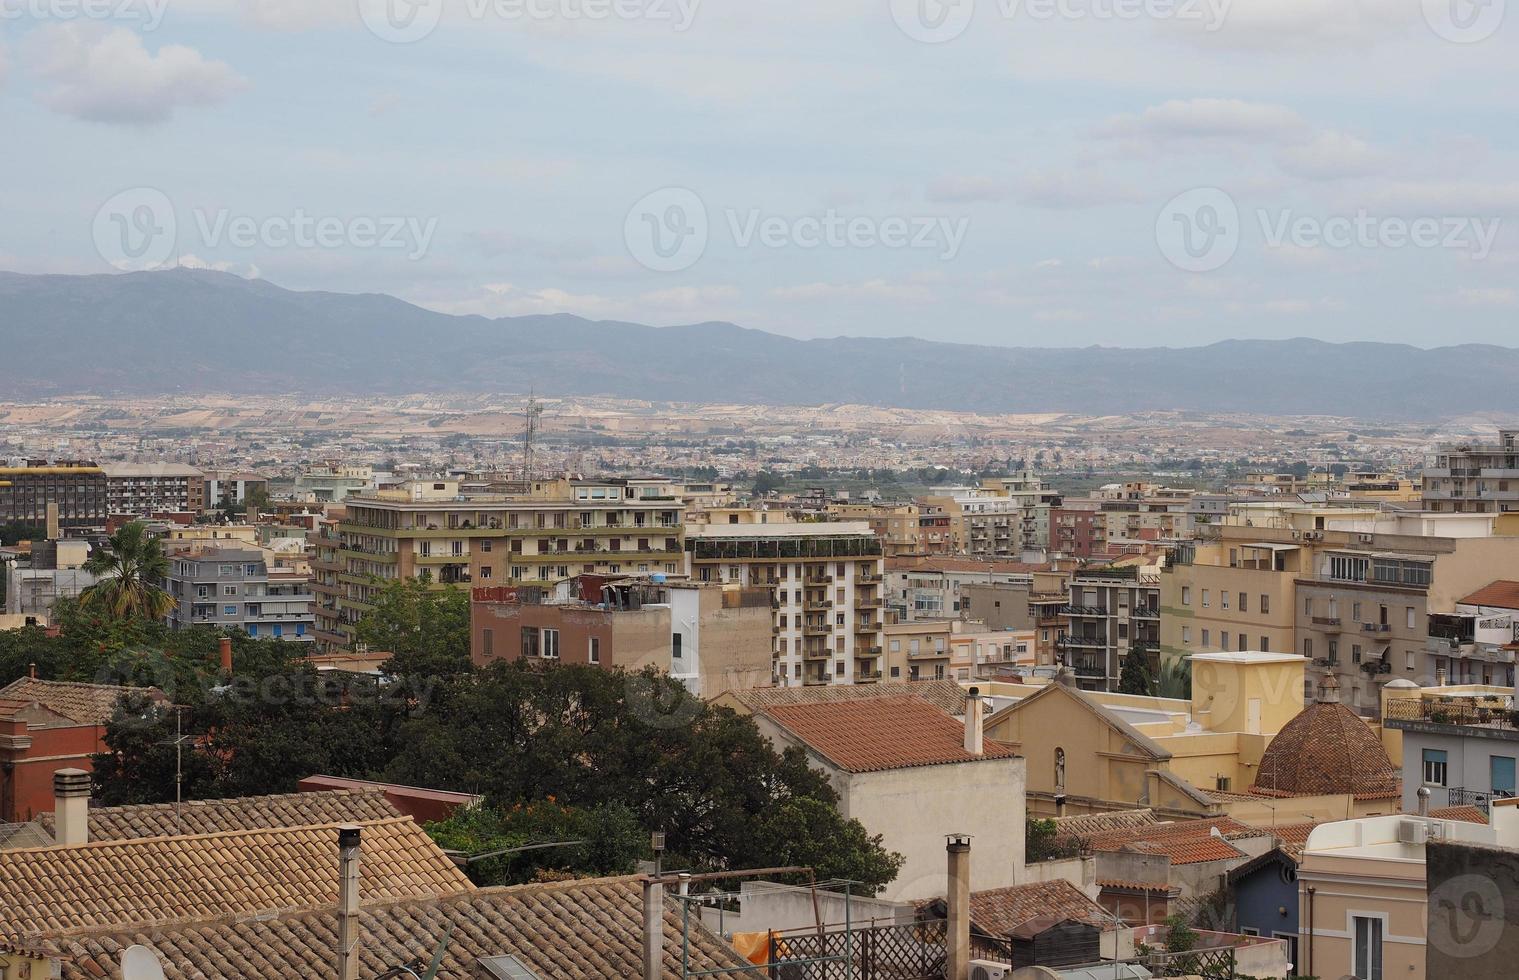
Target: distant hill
[[198, 331]]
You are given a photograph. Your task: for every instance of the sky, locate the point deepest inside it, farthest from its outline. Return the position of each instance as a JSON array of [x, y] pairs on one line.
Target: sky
[[1008, 172]]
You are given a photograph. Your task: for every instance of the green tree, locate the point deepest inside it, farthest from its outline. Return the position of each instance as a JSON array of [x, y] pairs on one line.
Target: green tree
[[128, 570], [1040, 841], [424, 628], [14, 532], [767, 482], [1175, 680], [610, 841], [1134, 676]]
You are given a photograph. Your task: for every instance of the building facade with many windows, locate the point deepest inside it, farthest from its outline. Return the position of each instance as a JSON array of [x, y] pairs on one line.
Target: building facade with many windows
[[235, 588], [828, 593]]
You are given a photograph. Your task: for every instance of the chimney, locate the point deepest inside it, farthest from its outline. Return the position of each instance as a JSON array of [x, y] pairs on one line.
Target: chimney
[[653, 929], [975, 744], [1423, 796], [957, 902], [348, 902], [71, 806], [31, 670], [226, 652]]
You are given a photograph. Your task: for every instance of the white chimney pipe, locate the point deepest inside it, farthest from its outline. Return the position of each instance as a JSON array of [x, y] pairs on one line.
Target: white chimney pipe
[[348, 902], [653, 929], [71, 806], [975, 742], [957, 909]]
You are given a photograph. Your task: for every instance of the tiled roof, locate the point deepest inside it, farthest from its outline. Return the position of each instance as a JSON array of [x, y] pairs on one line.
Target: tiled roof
[[946, 695], [1504, 594], [113, 884], [87, 704], [576, 930], [1135, 886], [243, 813], [1184, 841], [1001, 910], [1293, 836], [1325, 750], [1469, 814], [881, 733], [1087, 824]]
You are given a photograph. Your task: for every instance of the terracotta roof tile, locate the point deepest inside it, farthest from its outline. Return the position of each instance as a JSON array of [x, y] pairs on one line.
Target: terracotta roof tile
[[113, 884], [1325, 750], [1136, 886], [1503, 594], [242, 813], [1002, 910], [578, 930], [87, 704], [946, 695], [1087, 824], [1469, 814], [1184, 841], [881, 733]]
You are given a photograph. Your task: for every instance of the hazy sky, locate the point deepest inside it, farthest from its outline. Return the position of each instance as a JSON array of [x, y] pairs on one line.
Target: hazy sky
[[1124, 172]]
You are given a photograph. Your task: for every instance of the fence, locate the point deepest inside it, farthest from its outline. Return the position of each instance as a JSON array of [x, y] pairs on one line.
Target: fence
[[910, 952]]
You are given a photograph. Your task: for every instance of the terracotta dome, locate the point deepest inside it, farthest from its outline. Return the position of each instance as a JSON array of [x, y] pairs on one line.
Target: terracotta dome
[[1327, 748]]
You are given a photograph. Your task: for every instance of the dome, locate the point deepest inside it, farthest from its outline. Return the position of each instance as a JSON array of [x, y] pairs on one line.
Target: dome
[[1326, 749]]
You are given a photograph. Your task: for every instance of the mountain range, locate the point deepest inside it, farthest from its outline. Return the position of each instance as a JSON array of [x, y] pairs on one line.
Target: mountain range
[[196, 331]]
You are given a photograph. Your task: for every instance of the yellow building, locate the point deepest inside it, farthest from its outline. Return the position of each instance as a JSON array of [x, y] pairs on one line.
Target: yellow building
[[895, 524], [1363, 898], [1230, 594]]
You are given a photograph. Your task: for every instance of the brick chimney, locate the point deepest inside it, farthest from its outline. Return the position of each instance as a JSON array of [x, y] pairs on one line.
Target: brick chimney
[[348, 902], [957, 902], [975, 742], [653, 929], [226, 652], [71, 806]]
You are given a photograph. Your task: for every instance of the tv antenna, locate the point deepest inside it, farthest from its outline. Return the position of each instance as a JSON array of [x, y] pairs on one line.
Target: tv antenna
[[531, 413]]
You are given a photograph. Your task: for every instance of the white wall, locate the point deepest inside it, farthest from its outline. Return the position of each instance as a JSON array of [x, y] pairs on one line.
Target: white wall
[[914, 810]]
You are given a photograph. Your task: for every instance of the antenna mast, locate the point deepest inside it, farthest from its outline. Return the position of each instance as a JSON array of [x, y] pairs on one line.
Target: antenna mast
[[530, 435]]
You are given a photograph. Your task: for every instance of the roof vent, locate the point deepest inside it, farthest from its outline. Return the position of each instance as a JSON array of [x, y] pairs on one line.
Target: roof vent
[[504, 967]]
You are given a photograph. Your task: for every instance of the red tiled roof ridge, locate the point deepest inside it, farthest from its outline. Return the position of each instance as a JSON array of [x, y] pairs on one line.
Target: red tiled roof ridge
[[827, 728]]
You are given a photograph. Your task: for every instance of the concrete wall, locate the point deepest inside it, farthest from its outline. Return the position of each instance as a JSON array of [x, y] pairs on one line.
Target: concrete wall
[[1473, 917], [913, 809], [766, 906]]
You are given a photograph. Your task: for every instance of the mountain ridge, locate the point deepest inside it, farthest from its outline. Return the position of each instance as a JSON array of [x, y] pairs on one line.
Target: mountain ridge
[[188, 330]]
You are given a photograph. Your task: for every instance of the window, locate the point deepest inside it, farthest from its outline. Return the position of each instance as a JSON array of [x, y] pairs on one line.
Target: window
[[1355, 611], [229, 590], [488, 642], [1368, 948], [485, 571], [1205, 598], [1334, 651], [1434, 767], [229, 610], [1501, 771], [1308, 648], [1265, 644], [1206, 639], [896, 672], [594, 656], [1409, 663], [529, 641], [1244, 602], [485, 544], [550, 644], [1186, 634], [1244, 643], [1307, 605], [675, 648], [1223, 600], [1265, 604], [1355, 653], [1412, 617], [1224, 642], [1186, 595]]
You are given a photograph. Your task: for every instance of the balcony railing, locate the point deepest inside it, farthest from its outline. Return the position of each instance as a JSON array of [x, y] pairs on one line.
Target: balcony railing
[[1494, 713], [1075, 610], [1482, 800]]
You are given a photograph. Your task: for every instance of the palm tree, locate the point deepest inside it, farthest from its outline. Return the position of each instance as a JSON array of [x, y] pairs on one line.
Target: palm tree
[[1175, 680], [127, 571]]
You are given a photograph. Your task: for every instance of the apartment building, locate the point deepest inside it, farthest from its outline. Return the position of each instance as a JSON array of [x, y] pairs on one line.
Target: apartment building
[[1036, 606], [1458, 742], [1474, 477], [141, 489], [235, 588], [333, 482], [55, 570], [981, 521], [1035, 501], [712, 638], [931, 587], [543, 533], [324, 546], [828, 592], [79, 489], [918, 650], [895, 524], [231, 488], [1230, 592], [1114, 611], [936, 534]]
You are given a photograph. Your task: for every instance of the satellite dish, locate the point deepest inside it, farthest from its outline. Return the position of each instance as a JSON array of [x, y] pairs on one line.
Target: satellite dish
[[140, 963]]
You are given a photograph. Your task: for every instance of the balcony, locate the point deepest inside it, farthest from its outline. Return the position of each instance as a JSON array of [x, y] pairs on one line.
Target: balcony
[[1088, 669], [1482, 800], [816, 629], [1329, 624], [1145, 612], [1376, 628], [869, 579], [1075, 610], [1081, 643], [810, 603], [871, 602], [1494, 715]]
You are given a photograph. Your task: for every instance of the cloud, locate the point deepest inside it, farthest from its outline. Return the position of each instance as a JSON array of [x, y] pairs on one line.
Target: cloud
[[1496, 296], [872, 289], [1331, 155], [102, 74], [1233, 120], [964, 190], [1069, 190]]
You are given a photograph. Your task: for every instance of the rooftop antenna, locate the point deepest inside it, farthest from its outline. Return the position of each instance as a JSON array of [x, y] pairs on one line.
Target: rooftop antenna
[[530, 435]]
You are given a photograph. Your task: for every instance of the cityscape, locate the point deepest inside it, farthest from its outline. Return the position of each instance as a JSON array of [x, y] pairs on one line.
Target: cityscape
[[669, 490]]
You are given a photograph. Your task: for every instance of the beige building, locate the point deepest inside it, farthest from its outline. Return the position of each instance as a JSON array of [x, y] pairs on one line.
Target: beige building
[[547, 532], [1037, 606], [1113, 613], [1229, 593], [827, 593], [1363, 901], [895, 524]]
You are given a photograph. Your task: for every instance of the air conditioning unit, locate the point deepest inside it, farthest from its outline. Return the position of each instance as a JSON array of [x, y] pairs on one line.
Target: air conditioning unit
[[1413, 832], [989, 970]]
